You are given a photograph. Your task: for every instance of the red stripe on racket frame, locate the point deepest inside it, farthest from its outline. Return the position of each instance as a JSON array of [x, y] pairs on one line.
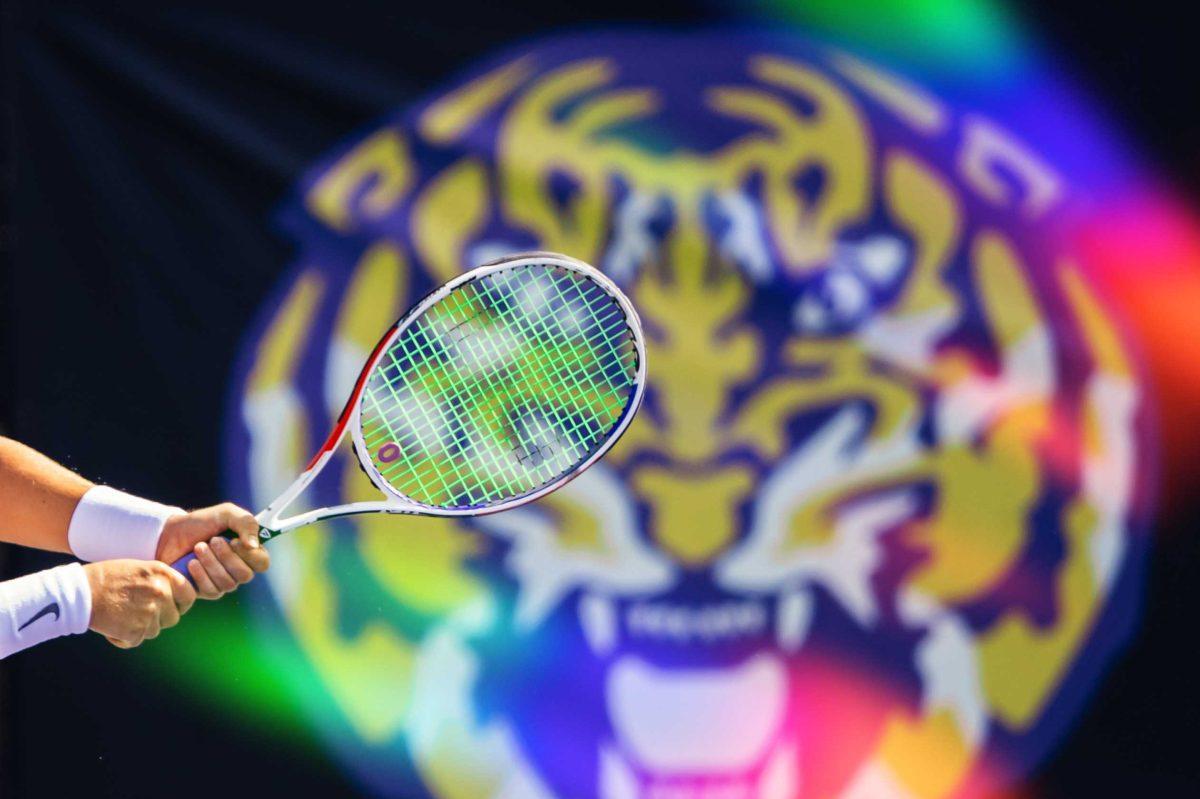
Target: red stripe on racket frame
[[344, 418]]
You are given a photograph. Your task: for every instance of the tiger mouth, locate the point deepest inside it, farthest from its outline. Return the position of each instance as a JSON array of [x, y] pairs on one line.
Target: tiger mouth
[[698, 733]]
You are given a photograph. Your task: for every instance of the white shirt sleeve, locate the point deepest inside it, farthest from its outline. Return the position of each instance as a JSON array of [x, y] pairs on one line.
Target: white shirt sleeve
[[38, 607], [109, 524]]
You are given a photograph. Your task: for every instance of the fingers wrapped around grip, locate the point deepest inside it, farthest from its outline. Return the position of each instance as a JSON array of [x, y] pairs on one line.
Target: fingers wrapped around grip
[[133, 600], [220, 566], [217, 548]]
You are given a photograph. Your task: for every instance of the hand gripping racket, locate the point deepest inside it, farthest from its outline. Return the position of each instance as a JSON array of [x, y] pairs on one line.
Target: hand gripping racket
[[494, 390]]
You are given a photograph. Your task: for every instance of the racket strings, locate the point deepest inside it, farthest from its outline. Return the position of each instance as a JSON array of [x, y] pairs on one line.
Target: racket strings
[[584, 426], [488, 382], [472, 390], [503, 386], [529, 452]]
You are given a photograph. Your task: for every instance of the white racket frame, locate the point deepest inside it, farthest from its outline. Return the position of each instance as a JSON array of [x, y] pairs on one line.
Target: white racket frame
[[271, 519]]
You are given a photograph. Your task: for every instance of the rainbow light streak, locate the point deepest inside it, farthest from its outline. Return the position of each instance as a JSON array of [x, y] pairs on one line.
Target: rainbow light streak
[[1144, 246], [259, 676], [976, 40]]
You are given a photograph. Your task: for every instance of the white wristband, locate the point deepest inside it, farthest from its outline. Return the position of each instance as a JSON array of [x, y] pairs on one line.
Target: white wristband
[[109, 524], [42, 606]]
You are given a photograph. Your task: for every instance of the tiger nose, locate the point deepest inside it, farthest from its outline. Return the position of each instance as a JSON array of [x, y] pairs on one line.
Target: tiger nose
[[694, 516]]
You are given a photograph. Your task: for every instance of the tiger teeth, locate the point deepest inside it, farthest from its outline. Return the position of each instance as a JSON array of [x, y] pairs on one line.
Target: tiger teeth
[[598, 618], [708, 624], [793, 618], [601, 623]]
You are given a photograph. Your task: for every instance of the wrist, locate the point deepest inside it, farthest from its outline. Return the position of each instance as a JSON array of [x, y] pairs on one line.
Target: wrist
[[170, 542], [108, 524], [94, 575]]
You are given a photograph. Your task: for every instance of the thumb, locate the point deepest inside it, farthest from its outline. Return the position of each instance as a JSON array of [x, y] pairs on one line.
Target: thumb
[[243, 523], [182, 591]]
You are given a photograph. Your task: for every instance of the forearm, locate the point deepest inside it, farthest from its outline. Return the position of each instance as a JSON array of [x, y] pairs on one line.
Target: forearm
[[42, 606], [37, 498], [46, 506]]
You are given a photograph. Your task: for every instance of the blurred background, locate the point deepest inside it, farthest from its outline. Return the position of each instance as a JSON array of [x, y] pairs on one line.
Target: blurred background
[[909, 512]]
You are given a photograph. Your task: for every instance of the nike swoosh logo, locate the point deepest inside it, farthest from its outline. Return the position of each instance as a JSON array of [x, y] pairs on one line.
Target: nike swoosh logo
[[46, 611]]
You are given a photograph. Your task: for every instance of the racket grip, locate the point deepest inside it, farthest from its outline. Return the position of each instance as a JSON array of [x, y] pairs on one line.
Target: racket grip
[[181, 565]]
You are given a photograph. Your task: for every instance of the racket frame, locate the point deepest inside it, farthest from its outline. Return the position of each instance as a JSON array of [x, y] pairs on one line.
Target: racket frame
[[271, 519]]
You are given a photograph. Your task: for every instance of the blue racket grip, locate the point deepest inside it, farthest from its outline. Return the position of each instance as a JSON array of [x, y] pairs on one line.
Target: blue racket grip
[[181, 565]]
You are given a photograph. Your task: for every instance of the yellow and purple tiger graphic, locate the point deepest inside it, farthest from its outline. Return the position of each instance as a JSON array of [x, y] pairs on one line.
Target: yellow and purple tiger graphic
[[870, 536]]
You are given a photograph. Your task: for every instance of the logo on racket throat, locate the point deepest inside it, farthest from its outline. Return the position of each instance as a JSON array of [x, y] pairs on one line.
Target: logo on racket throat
[[869, 531]]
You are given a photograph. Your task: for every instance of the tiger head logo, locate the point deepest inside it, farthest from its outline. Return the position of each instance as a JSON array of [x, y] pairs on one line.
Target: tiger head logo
[[861, 538]]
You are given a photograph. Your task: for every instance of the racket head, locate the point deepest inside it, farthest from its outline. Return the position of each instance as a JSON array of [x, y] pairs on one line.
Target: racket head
[[499, 387]]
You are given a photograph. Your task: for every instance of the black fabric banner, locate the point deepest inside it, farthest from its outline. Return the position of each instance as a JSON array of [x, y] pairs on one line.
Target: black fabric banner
[[148, 151]]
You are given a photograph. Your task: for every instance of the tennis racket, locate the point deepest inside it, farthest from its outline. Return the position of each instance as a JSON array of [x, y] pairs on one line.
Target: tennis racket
[[496, 389]]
